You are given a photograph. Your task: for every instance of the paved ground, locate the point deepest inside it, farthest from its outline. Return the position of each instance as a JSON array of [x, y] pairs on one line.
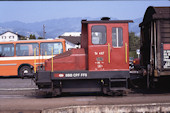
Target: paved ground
[[17, 86], [32, 103], [19, 94], [7, 83]]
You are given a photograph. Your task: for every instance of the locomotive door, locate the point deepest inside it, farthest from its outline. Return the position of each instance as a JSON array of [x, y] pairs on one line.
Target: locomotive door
[[119, 52], [107, 48]]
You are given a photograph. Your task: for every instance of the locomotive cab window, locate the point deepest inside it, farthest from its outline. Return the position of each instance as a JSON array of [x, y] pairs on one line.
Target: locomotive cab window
[[98, 35], [117, 37]]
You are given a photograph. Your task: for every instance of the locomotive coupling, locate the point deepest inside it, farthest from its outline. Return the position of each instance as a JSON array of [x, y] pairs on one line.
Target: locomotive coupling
[[142, 72]]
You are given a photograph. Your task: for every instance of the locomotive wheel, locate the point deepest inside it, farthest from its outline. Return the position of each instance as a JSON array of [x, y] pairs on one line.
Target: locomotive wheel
[[24, 70], [119, 93], [116, 93]]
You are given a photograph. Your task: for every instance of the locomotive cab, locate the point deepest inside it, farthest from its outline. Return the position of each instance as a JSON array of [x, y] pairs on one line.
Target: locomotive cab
[[107, 45], [100, 65]]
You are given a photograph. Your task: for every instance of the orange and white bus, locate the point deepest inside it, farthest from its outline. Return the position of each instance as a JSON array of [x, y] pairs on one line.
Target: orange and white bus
[[18, 57]]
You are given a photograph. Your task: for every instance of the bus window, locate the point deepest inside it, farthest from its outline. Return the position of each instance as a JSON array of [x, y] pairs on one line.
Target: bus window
[[6, 50], [27, 49], [47, 47]]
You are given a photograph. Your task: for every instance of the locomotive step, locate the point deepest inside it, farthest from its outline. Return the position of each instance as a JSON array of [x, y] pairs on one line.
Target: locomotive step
[[117, 80]]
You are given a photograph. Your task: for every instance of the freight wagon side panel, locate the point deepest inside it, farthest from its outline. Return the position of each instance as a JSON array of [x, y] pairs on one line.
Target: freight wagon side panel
[[165, 46]]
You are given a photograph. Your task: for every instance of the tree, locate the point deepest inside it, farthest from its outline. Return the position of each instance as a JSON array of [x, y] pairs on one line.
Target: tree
[[32, 36], [23, 38], [40, 38], [134, 44]]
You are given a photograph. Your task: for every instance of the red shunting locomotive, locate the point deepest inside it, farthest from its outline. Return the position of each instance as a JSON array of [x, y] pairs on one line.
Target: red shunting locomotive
[[100, 65]]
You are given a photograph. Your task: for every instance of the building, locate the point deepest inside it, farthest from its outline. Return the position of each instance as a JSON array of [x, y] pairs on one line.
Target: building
[[10, 36], [75, 34], [73, 39]]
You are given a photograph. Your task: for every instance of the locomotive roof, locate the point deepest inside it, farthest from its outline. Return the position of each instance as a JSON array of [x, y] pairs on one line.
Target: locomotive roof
[[106, 21], [155, 13]]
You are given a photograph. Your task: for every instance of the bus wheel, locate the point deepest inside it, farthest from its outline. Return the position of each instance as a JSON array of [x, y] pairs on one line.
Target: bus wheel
[[24, 70]]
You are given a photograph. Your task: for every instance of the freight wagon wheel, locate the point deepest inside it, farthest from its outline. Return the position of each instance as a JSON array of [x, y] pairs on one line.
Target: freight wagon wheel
[[24, 70]]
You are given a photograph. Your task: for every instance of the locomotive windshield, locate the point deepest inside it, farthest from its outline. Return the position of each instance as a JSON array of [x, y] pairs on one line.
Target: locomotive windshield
[[98, 35]]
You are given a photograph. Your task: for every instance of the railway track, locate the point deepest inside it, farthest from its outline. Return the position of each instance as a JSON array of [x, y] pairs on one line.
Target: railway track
[[32, 93], [26, 87]]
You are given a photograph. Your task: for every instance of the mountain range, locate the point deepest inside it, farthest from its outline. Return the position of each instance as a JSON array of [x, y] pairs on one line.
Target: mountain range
[[55, 27]]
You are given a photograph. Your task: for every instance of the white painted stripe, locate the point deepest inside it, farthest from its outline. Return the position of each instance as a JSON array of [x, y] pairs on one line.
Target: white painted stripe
[[8, 64], [16, 89], [24, 58]]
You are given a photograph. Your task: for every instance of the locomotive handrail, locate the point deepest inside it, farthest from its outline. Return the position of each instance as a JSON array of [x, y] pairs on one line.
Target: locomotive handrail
[[126, 52], [108, 53], [52, 60]]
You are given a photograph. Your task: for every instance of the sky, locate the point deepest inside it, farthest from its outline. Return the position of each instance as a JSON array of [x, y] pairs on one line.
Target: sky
[[35, 11]]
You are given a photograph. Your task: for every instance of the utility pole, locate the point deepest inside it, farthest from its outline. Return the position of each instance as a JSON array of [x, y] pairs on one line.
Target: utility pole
[[44, 31]]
